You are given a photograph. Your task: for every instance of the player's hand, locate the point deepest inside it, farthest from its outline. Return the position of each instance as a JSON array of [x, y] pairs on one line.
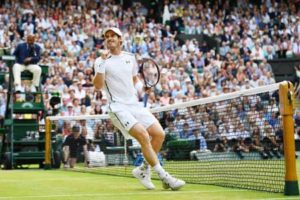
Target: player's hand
[[98, 66], [104, 54], [147, 90]]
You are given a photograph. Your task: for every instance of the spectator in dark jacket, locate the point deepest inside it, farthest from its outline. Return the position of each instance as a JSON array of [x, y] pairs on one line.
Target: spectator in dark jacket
[[72, 146]]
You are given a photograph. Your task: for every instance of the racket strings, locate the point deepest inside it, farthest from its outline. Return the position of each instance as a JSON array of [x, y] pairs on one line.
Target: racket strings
[[150, 73]]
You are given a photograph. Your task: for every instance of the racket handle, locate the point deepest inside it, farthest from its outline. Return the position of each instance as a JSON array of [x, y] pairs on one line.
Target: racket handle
[[145, 99]]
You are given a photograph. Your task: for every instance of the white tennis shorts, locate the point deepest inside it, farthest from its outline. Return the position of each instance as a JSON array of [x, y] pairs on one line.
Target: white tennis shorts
[[124, 117]]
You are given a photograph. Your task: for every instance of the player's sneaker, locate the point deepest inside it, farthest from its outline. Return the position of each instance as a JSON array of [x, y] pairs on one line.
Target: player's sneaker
[[66, 166], [170, 182], [144, 176]]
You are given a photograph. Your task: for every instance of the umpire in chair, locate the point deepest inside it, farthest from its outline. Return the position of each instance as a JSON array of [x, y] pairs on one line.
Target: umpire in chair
[[28, 54]]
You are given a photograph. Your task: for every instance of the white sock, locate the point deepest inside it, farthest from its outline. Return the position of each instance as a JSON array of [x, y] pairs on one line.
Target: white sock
[[145, 165], [160, 171]]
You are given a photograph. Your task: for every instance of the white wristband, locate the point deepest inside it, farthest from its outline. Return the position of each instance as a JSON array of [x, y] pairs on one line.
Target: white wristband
[[99, 67]]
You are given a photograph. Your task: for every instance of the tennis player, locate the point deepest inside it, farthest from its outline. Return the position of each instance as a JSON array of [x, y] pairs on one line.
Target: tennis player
[[116, 71]]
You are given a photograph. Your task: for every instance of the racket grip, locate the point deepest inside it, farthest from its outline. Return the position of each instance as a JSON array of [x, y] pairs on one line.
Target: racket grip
[[145, 99]]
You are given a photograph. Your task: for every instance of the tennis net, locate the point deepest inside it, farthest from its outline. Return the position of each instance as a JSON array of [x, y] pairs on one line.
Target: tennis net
[[232, 140]]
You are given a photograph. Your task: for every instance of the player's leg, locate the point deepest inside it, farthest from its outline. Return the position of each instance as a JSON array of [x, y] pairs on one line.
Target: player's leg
[[157, 135], [142, 136], [155, 131], [143, 172], [124, 121], [157, 138]]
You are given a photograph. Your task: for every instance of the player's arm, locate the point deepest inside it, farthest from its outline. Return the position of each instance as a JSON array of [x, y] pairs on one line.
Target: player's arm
[[99, 81], [99, 77], [135, 80], [135, 69]]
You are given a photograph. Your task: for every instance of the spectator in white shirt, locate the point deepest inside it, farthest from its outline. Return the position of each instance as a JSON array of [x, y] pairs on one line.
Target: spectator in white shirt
[[296, 48], [257, 52]]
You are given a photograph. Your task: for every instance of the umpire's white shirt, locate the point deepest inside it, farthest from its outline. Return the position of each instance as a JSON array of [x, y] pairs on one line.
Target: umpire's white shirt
[[119, 70]]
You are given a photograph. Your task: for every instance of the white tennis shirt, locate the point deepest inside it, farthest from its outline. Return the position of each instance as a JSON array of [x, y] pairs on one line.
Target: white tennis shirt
[[119, 71]]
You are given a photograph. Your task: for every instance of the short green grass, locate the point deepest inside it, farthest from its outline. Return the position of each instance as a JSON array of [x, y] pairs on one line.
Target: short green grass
[[62, 185]]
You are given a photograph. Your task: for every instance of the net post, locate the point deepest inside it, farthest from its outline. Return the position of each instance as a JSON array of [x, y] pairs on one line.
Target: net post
[[48, 144], [286, 97]]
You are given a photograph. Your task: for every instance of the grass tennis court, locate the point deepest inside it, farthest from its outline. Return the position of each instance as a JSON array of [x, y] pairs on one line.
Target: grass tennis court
[[61, 184]]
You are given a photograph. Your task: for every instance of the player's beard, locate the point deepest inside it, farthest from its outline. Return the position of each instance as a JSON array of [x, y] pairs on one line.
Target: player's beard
[[113, 46]]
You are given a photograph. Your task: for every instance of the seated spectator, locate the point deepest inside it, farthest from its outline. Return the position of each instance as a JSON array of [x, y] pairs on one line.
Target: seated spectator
[[89, 133], [221, 145], [271, 146], [186, 131], [69, 111], [172, 131], [27, 56], [99, 131], [202, 144], [238, 146], [165, 99], [255, 145]]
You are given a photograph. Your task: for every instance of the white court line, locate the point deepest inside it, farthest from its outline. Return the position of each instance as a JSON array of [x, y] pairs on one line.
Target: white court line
[[51, 179], [140, 193], [118, 194], [278, 198]]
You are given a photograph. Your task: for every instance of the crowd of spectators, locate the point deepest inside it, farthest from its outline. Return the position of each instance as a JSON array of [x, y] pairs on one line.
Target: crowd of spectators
[[237, 125], [248, 34]]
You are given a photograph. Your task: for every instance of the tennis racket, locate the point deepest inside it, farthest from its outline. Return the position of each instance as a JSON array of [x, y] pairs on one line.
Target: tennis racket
[[150, 73]]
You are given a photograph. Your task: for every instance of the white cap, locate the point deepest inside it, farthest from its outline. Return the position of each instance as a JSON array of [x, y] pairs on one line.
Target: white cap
[[113, 29], [70, 105], [164, 71]]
